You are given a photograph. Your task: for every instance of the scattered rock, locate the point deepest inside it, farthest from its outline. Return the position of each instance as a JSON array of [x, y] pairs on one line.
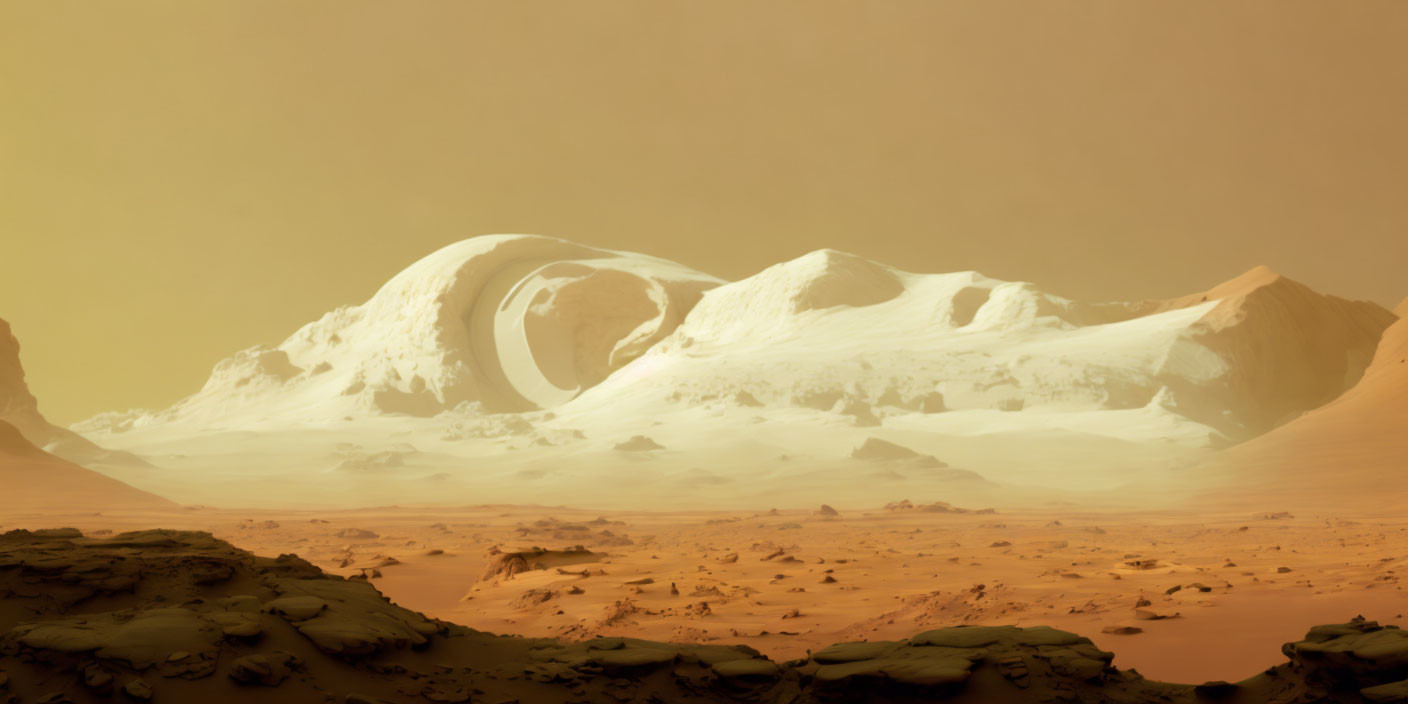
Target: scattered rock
[[55, 649], [507, 564], [267, 669], [1122, 630], [639, 443], [877, 450], [137, 689], [1143, 615]]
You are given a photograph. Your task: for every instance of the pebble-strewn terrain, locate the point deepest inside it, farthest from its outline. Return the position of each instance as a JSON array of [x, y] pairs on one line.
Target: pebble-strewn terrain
[[162, 615], [1178, 597]]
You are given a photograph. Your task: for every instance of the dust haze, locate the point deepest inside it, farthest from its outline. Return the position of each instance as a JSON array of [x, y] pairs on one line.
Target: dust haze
[[789, 353]]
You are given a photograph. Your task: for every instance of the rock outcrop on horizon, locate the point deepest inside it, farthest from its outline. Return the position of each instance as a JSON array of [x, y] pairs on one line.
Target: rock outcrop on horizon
[[162, 615]]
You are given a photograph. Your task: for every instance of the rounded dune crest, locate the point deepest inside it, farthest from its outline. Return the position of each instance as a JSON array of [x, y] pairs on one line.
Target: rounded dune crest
[[820, 282]]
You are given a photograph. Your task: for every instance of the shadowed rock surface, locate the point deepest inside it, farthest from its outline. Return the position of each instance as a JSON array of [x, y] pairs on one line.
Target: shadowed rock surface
[[171, 616]]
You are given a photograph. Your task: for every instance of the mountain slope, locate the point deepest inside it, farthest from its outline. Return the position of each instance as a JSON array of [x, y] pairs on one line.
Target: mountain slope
[[502, 322], [35, 481], [511, 366], [831, 328], [1353, 448], [1290, 348]]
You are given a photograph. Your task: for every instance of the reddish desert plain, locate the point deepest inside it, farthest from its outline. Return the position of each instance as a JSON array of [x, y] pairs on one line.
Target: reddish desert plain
[[1178, 597]]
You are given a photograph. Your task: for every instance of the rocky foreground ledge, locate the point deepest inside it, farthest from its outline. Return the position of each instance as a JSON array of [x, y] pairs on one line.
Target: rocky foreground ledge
[[171, 616]]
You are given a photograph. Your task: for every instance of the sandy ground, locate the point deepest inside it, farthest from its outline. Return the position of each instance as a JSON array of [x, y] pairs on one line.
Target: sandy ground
[[794, 581]]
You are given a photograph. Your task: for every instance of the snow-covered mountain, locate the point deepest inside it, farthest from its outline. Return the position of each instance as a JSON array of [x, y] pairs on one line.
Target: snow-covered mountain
[[493, 324], [504, 364], [832, 331]]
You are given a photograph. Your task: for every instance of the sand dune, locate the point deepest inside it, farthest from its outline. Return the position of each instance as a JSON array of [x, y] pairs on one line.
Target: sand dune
[[1289, 348], [33, 481], [516, 368], [1351, 451]]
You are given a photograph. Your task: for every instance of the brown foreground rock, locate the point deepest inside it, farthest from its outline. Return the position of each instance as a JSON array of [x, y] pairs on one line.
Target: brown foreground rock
[[171, 616]]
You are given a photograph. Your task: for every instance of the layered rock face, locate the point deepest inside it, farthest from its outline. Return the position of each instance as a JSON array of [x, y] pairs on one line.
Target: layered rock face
[[179, 616]]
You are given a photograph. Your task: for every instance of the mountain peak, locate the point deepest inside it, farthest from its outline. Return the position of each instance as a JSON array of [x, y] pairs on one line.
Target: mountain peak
[[1257, 277], [510, 322], [827, 278]]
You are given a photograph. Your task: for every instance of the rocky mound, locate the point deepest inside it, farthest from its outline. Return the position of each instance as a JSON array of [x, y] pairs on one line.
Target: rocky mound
[[179, 616], [505, 565], [877, 450], [904, 505]]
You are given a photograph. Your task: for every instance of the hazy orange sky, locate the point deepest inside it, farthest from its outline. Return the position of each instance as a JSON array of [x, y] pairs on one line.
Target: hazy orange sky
[[179, 180]]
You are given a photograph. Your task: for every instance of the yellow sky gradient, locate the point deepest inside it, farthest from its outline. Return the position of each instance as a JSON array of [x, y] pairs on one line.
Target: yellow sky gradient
[[179, 179]]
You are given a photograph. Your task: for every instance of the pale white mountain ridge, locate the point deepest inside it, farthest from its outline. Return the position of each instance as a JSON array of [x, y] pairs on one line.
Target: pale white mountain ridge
[[511, 367]]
